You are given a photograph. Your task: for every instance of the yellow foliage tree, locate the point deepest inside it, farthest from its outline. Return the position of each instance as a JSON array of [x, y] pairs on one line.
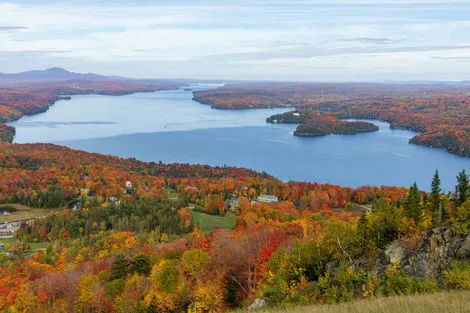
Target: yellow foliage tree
[[194, 261], [161, 302], [209, 297], [26, 301]]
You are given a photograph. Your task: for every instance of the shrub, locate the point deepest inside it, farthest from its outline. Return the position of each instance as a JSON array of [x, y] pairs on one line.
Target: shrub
[[462, 220], [349, 281], [396, 282], [458, 276], [426, 285]]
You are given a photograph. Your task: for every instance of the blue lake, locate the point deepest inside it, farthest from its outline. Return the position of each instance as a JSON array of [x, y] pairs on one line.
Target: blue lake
[[168, 126]]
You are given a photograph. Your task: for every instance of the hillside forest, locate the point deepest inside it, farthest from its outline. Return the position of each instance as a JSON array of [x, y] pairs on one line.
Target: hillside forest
[[120, 235]]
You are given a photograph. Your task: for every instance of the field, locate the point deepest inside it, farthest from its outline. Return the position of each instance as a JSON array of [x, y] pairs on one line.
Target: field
[[22, 212], [208, 223], [4, 240], [455, 302], [34, 246], [172, 194]]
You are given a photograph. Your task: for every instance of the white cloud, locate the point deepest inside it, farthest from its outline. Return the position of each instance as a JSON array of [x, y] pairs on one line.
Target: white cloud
[[241, 37]]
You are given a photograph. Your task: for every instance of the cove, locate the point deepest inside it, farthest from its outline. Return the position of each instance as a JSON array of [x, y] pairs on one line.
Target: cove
[[168, 126]]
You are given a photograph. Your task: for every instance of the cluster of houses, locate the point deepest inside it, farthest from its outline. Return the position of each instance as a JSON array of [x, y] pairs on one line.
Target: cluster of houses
[[85, 192], [232, 202], [9, 228], [267, 199]]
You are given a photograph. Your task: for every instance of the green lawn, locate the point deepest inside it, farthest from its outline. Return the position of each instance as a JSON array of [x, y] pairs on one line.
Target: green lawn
[[172, 194], [22, 212], [5, 241], [208, 223], [33, 247]]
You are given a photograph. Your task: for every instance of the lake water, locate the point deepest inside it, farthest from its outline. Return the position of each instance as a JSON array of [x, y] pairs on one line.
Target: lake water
[[168, 126]]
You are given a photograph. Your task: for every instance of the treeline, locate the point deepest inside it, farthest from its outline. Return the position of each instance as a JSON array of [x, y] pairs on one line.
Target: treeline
[[91, 217], [441, 113], [7, 133]]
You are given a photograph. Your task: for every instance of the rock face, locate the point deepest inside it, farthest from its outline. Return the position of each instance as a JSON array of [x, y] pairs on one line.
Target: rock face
[[440, 247], [257, 304]]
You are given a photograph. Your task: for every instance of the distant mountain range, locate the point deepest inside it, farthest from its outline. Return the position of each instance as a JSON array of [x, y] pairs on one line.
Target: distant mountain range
[[52, 74], [56, 74], [60, 74]]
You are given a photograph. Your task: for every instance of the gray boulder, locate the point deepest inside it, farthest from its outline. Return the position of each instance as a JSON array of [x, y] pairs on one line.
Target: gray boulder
[[257, 304]]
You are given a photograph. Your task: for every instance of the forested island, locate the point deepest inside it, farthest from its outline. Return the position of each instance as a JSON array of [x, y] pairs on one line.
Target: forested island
[[439, 112], [314, 124]]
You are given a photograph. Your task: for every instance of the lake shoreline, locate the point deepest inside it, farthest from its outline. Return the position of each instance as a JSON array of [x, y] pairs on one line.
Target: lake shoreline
[[169, 126]]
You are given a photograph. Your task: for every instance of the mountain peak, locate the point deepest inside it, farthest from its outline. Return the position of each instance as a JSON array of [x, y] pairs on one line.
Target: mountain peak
[[53, 73], [57, 70]]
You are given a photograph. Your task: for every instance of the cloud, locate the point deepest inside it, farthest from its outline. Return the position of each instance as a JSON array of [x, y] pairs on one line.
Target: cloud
[[451, 58], [377, 41], [242, 38], [12, 28]]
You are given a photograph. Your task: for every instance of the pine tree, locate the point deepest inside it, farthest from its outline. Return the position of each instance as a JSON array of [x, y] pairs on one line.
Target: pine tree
[[362, 225], [140, 264], [412, 206], [120, 267], [436, 198], [463, 187]]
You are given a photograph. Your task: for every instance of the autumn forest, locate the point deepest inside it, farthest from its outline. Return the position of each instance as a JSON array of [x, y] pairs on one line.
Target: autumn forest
[[440, 113], [86, 232]]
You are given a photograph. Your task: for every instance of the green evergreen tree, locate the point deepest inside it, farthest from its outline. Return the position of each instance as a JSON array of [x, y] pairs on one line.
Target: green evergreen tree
[[463, 187], [444, 213], [362, 225], [140, 264], [119, 268], [412, 205], [436, 198]]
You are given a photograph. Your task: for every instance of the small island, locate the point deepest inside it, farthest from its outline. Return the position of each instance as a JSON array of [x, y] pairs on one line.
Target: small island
[[313, 124]]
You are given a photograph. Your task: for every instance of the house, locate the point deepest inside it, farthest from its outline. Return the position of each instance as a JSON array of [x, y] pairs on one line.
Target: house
[[267, 199], [296, 114], [128, 185], [231, 203]]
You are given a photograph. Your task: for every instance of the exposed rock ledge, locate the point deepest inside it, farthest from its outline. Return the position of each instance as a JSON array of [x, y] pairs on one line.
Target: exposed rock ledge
[[441, 246]]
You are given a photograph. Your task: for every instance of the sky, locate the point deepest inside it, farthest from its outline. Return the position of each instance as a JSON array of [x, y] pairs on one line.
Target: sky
[[283, 40]]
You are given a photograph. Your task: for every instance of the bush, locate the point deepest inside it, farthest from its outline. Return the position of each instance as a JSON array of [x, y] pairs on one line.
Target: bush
[[462, 221], [427, 285], [349, 281], [458, 276], [396, 283]]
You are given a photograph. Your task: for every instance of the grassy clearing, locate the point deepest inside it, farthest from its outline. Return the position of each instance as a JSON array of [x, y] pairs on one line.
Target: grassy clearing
[[452, 301], [208, 223], [5, 241], [33, 247], [172, 194], [22, 212]]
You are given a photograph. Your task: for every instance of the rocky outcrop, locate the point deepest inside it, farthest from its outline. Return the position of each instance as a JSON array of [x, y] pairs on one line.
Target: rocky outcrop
[[440, 247], [257, 305]]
